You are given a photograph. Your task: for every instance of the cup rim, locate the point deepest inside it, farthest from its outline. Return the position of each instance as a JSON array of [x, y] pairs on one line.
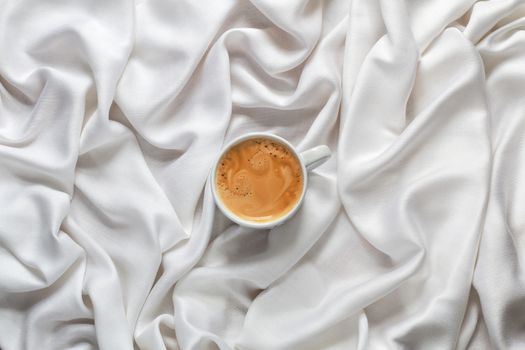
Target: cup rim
[[253, 224]]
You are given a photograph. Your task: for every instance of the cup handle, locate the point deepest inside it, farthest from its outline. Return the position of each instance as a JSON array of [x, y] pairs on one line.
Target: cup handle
[[316, 156]]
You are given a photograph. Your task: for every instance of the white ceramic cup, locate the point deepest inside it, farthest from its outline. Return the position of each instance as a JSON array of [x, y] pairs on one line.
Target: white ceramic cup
[[308, 159]]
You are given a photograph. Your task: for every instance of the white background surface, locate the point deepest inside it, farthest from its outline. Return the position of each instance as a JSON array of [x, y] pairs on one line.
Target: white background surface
[[411, 237]]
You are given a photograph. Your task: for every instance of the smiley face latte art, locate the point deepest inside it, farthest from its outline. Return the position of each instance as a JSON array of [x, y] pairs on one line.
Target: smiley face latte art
[[259, 180]]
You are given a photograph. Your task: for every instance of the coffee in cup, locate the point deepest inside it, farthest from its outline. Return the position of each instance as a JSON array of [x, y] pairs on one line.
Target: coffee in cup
[[259, 179]]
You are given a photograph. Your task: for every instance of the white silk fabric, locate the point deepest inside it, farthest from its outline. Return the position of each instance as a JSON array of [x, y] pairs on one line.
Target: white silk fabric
[[412, 236]]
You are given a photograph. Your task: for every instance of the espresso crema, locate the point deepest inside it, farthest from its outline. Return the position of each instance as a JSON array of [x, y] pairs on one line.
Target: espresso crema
[[259, 180]]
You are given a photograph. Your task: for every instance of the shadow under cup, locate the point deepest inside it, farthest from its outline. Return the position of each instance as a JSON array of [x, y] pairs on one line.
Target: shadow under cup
[[259, 180]]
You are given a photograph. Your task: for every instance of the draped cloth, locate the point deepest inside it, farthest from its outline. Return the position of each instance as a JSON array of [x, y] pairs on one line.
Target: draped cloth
[[112, 113]]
